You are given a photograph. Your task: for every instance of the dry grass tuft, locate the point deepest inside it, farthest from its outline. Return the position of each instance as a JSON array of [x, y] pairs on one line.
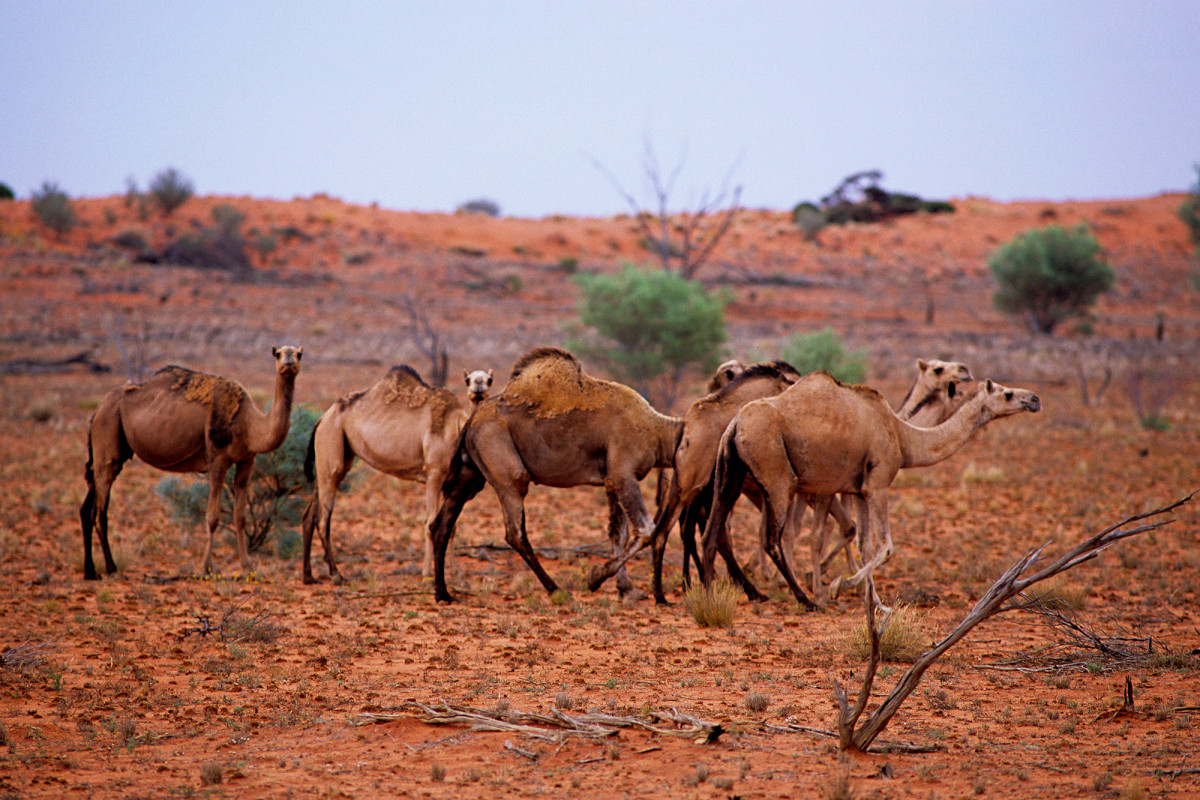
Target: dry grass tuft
[[211, 774], [903, 639], [712, 606], [757, 701]]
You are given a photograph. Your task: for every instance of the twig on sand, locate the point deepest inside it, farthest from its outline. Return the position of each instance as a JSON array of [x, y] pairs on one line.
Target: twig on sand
[[554, 725]]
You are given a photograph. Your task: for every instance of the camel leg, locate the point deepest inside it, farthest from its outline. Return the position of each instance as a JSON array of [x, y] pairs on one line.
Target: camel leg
[[434, 478], [849, 532], [618, 537], [775, 514], [877, 514], [730, 476], [512, 502], [212, 516], [693, 518], [307, 524], [94, 514], [459, 488], [241, 498], [668, 513], [820, 531]]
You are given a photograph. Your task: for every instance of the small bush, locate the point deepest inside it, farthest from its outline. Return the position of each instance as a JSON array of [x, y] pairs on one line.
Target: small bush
[[131, 240], [1048, 275], [564, 701], [712, 606], [1189, 212], [809, 219], [211, 773], [902, 641], [171, 189], [6, 192], [53, 207], [757, 702], [480, 206], [809, 352]]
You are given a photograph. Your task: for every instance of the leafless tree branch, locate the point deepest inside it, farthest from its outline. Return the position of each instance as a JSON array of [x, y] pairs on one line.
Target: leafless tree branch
[[852, 736]]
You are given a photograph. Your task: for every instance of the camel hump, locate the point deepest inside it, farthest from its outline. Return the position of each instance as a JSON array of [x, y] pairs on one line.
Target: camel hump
[[821, 376], [764, 369], [223, 397], [546, 358], [404, 385]]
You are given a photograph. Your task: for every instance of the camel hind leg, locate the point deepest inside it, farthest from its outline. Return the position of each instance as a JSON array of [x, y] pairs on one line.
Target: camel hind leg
[[330, 459], [731, 474], [462, 483], [106, 456]]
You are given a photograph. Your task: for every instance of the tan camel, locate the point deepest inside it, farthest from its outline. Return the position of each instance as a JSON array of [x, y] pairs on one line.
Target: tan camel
[[557, 426], [725, 375], [934, 396], [184, 421], [479, 383], [401, 427], [823, 437], [705, 420]]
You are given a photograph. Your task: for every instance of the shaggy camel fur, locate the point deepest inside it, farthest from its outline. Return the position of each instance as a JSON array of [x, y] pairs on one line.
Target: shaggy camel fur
[[823, 437], [557, 426], [401, 427], [184, 421]]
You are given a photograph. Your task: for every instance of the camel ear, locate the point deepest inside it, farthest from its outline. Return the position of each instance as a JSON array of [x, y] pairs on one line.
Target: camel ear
[[989, 386], [466, 377], [489, 377], [922, 364], [299, 353], [274, 352]]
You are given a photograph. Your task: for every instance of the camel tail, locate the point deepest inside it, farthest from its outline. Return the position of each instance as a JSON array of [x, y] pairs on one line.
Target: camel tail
[[730, 474], [310, 455]]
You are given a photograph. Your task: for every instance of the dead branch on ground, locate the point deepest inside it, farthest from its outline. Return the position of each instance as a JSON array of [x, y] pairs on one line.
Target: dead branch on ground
[[555, 725], [853, 736]]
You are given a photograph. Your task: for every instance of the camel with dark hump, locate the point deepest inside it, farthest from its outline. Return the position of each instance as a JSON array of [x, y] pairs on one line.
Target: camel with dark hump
[[401, 427], [555, 425], [690, 494], [184, 421], [823, 437]]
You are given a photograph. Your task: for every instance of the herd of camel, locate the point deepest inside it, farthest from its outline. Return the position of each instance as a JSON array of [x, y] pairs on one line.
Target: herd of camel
[[788, 442]]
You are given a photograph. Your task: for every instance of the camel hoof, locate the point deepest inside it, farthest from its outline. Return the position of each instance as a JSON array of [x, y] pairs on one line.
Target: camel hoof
[[309, 580], [663, 601], [443, 596]]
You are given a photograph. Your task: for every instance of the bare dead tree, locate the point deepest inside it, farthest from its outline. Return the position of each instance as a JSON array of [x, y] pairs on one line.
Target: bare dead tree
[[427, 338], [136, 357], [685, 240], [853, 736]]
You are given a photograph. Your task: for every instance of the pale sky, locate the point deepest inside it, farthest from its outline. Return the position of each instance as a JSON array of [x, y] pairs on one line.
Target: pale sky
[[423, 106]]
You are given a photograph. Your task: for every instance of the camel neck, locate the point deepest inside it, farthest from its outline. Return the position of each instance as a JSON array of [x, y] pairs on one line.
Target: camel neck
[[925, 446], [273, 426]]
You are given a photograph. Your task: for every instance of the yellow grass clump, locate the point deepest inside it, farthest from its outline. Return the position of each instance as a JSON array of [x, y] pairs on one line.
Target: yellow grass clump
[[712, 606]]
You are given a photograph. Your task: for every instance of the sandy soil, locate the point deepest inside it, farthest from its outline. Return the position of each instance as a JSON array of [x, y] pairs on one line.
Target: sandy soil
[[110, 689]]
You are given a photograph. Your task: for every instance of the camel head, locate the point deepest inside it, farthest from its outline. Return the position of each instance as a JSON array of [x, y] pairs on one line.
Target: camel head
[[478, 383], [725, 374], [287, 359], [1001, 401], [943, 375]]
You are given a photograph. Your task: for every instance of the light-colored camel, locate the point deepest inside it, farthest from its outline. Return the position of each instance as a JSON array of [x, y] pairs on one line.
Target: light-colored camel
[[705, 420], [479, 383], [934, 396], [725, 375], [823, 437], [184, 421], [557, 426], [401, 427]]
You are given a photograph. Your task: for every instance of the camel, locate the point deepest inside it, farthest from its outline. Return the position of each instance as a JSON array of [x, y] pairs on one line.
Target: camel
[[705, 420], [555, 425], [401, 427], [184, 421], [725, 375], [479, 383], [823, 437]]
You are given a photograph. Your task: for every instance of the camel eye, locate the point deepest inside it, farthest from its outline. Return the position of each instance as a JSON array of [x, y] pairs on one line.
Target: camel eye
[[1008, 395], [937, 370]]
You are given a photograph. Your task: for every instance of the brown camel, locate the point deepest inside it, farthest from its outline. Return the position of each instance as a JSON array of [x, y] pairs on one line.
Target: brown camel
[[184, 421], [557, 426], [705, 420], [932, 399], [401, 427], [823, 437]]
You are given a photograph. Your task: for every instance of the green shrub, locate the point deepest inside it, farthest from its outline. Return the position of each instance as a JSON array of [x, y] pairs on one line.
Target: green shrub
[[6, 192], [1048, 275], [1189, 211], [809, 352], [54, 208], [277, 492], [171, 189], [809, 219], [650, 325], [219, 246]]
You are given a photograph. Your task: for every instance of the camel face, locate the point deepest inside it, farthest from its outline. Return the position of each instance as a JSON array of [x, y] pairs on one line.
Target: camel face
[[479, 382], [725, 374], [287, 359], [944, 374], [1003, 401]]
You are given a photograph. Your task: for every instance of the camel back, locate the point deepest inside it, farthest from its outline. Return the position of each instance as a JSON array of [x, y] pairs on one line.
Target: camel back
[[403, 386], [223, 397], [550, 382]]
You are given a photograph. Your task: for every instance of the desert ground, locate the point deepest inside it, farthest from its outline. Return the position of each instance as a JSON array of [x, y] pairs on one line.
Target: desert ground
[[156, 682]]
